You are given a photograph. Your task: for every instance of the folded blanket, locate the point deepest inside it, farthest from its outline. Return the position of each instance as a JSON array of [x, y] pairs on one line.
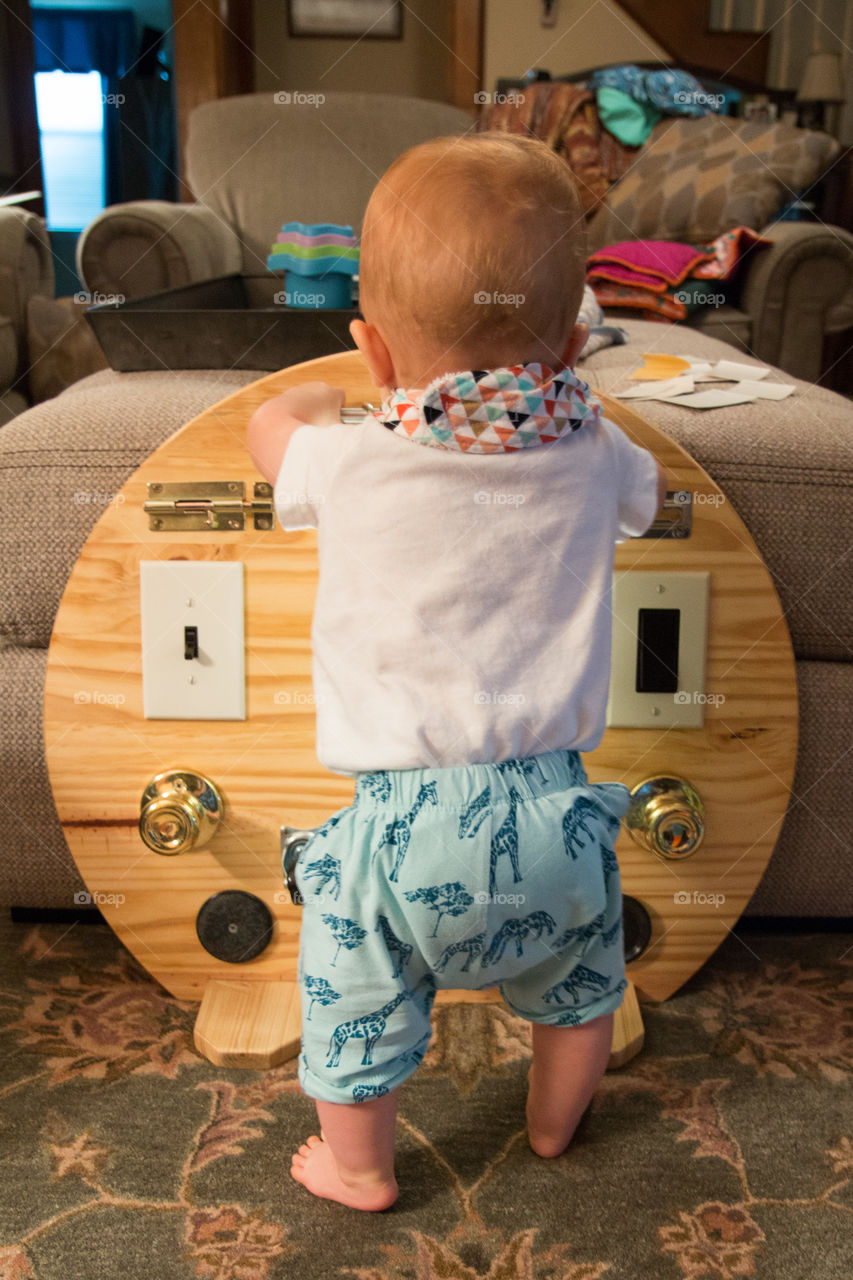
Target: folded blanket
[[565, 117], [666, 279], [655, 263]]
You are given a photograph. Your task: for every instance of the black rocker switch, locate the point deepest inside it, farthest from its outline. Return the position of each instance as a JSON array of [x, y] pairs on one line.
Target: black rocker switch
[[190, 642], [657, 650]]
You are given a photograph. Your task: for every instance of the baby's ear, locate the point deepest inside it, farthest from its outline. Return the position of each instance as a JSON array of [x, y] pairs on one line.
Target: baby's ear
[[577, 340], [376, 355]]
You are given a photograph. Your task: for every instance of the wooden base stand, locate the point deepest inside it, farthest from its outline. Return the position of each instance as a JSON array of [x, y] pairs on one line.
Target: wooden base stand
[[628, 1032], [249, 1024], [258, 1024]]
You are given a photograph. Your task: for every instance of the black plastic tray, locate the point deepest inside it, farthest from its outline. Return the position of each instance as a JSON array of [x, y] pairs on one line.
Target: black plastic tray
[[232, 322]]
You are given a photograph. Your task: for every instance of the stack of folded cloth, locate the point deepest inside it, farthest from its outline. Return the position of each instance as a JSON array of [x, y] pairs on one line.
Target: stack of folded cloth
[[668, 279], [631, 101], [325, 252]]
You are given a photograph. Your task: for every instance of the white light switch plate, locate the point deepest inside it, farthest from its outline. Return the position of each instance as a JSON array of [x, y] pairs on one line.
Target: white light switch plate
[[175, 594], [632, 591]]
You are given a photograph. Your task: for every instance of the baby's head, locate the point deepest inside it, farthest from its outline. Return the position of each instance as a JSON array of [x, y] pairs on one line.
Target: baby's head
[[473, 254]]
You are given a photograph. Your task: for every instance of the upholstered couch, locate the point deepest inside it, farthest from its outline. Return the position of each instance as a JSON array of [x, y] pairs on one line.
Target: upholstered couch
[[255, 161], [26, 270], [787, 467]]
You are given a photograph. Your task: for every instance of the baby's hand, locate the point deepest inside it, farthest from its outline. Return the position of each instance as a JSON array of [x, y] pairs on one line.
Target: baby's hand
[[314, 402], [272, 425]]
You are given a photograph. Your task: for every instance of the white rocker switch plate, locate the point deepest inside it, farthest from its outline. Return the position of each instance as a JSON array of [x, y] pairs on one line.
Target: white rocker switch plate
[[193, 646], [659, 642]]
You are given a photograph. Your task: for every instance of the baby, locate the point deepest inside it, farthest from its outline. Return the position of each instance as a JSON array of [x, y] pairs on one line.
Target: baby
[[461, 643]]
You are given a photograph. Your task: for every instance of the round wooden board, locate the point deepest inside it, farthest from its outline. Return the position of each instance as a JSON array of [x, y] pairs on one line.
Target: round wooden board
[[101, 752]]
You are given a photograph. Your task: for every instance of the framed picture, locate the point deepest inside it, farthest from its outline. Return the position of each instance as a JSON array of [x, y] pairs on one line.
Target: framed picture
[[346, 19], [759, 112]]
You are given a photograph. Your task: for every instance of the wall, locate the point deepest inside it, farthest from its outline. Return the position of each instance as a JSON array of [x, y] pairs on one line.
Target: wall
[[415, 66], [825, 26], [588, 33]]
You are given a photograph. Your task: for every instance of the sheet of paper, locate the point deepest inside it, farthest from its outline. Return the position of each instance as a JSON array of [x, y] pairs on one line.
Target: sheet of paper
[[766, 390], [713, 399], [657, 390], [732, 371], [698, 368]]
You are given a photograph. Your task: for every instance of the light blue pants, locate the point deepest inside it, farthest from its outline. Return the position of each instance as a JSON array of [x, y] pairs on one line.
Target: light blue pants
[[477, 876]]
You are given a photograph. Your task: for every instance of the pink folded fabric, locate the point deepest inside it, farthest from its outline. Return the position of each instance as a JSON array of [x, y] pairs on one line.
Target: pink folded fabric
[[624, 275], [296, 237], [665, 260]]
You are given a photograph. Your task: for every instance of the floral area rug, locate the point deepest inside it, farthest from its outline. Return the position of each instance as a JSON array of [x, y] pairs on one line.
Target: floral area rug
[[724, 1150]]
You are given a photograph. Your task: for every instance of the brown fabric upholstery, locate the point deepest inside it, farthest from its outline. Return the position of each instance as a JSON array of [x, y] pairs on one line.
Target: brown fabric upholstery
[[257, 163], [696, 178], [565, 117]]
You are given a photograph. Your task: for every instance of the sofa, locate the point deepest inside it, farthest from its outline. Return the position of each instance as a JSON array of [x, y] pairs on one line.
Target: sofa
[[26, 271], [254, 161]]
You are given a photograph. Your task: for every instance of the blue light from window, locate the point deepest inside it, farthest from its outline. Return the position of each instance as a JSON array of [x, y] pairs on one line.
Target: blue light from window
[[71, 124]]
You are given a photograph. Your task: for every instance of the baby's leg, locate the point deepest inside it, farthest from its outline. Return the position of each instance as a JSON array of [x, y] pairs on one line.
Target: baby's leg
[[568, 1063], [353, 1162]]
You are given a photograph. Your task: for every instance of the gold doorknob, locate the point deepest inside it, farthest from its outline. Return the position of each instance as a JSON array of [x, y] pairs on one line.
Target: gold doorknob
[[667, 817], [179, 810]]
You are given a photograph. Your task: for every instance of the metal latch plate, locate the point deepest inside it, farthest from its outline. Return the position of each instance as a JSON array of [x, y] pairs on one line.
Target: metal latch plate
[[675, 518], [208, 505]]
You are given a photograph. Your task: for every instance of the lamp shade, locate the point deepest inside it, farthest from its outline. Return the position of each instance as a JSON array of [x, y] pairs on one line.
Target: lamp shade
[[822, 80]]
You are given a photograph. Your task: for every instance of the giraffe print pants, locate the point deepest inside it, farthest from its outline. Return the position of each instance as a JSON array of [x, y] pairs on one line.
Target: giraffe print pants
[[467, 877]]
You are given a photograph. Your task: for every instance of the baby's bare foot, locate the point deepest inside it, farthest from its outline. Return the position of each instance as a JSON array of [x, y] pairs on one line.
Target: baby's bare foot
[[314, 1166]]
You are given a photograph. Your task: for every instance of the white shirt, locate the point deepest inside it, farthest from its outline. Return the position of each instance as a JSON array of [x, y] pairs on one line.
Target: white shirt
[[463, 605]]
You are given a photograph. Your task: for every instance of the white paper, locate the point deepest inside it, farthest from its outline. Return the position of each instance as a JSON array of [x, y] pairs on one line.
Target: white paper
[[657, 390], [714, 399], [731, 371], [767, 390], [698, 368]]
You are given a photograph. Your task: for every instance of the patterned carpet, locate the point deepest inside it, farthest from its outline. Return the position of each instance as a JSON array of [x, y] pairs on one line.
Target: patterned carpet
[[725, 1150]]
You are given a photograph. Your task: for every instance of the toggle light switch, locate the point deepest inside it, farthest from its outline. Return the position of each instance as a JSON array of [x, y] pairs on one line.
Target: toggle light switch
[[193, 665], [190, 643], [659, 642]]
